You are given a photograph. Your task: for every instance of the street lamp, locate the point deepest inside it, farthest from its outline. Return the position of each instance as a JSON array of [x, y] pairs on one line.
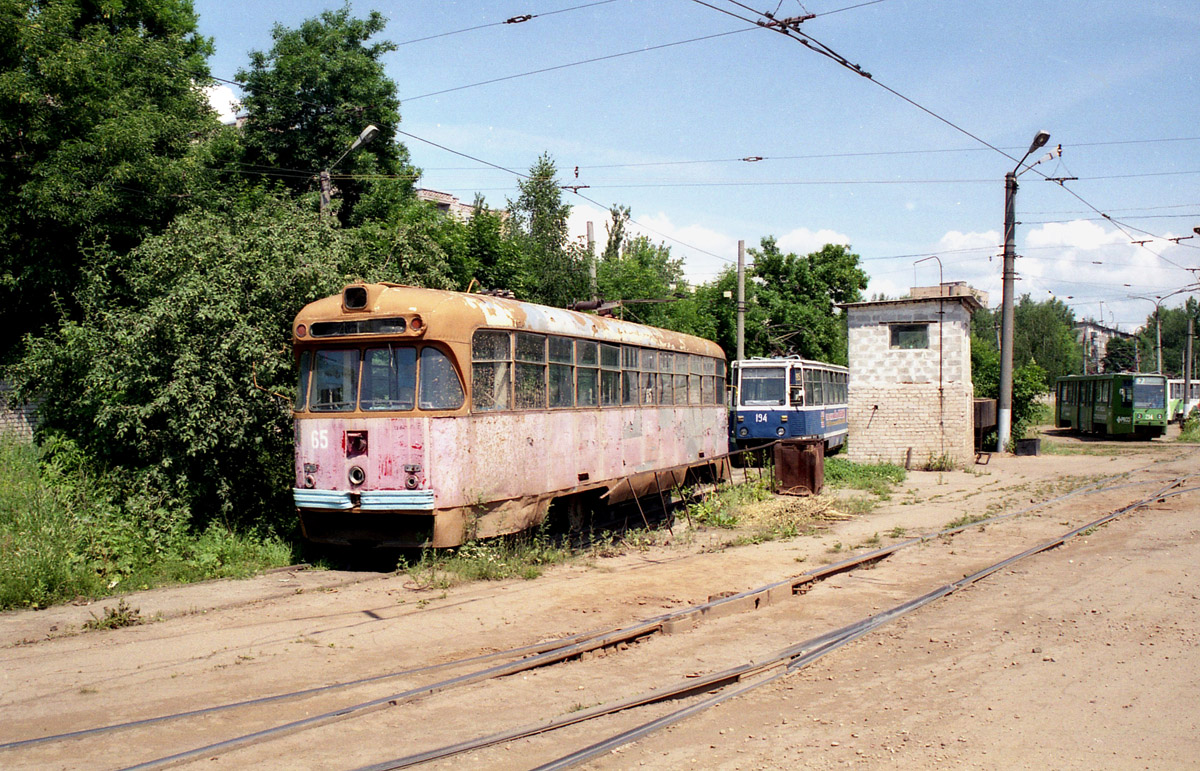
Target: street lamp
[[1158, 300], [1004, 412], [365, 136]]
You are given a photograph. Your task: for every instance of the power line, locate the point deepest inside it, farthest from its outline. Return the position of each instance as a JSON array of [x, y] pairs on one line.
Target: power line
[[813, 44], [519, 19], [570, 65]]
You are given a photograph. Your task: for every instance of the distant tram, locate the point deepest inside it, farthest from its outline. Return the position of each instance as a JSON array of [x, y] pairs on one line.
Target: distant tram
[[789, 398], [426, 417], [1179, 408], [1117, 404]]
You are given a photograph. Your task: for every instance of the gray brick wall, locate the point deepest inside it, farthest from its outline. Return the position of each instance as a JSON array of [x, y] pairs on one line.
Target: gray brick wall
[[16, 419], [898, 407]]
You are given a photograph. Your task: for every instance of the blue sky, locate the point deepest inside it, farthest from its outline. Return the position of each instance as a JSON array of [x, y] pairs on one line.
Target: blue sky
[[844, 160]]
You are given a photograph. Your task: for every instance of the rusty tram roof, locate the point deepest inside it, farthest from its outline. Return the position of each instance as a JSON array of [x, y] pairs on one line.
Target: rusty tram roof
[[454, 316]]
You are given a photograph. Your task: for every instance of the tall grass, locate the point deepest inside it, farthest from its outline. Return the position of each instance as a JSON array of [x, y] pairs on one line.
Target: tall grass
[[66, 532]]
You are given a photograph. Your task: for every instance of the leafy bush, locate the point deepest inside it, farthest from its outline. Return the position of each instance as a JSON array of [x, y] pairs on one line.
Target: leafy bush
[[1191, 428], [178, 379]]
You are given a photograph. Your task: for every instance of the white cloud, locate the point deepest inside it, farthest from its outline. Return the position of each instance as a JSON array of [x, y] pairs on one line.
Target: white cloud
[[1092, 267], [223, 101], [805, 241]]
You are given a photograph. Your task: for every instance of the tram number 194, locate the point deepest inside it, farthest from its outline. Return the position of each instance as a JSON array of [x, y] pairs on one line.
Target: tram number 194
[[760, 417]]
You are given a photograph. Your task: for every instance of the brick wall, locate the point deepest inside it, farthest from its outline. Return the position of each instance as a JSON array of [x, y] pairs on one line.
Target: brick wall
[[15, 419], [899, 408]]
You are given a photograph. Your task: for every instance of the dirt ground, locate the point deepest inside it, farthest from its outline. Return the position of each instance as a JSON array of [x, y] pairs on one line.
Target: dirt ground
[[1087, 656]]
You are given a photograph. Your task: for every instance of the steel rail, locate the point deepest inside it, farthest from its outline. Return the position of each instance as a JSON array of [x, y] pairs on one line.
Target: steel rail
[[795, 657], [545, 653], [850, 633]]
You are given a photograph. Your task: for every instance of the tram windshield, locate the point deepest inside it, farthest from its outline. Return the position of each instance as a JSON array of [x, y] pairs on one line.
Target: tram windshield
[[393, 377], [1148, 394], [763, 387]]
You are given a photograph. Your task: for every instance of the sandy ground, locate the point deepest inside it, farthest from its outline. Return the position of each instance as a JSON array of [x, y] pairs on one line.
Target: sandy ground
[[1083, 657]]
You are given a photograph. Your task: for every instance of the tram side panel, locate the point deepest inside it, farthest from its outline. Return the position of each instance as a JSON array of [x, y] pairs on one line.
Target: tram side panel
[[499, 473]]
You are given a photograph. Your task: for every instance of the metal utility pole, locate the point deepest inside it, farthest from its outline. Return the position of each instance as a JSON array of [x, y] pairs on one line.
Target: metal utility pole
[[1004, 410], [1158, 336], [741, 301], [1187, 367], [591, 247]]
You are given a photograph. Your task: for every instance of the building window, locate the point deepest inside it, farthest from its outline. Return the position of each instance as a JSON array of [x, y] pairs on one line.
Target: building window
[[910, 336]]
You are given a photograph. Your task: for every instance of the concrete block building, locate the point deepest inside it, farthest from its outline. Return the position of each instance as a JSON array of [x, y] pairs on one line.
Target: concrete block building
[[911, 397]]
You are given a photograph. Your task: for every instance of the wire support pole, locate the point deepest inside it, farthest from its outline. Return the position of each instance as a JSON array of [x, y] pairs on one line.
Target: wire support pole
[[1004, 409]]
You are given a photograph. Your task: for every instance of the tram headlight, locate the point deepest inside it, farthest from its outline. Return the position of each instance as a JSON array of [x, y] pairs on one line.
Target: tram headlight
[[411, 482], [357, 476], [310, 481], [780, 431], [743, 431]]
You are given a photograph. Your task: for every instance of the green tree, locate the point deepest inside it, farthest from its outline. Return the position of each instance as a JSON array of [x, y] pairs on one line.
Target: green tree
[[311, 95], [1120, 355], [1043, 332], [184, 394], [101, 107], [553, 271], [494, 258], [798, 297], [1174, 337]]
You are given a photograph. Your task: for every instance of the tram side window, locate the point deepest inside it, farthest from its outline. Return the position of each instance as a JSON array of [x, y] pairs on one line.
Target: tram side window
[[302, 388], [610, 375], [530, 380], [586, 374], [708, 384], [665, 393], [630, 362], [681, 378], [335, 381], [562, 372], [695, 367], [491, 377], [389, 379], [1103, 389], [440, 388], [796, 387], [816, 395], [649, 376]]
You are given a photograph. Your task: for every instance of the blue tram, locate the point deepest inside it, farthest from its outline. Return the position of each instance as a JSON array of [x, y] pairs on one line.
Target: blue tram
[[788, 398]]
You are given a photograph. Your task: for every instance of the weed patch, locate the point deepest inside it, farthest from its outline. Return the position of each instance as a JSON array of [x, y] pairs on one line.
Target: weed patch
[[964, 520], [876, 478], [115, 618]]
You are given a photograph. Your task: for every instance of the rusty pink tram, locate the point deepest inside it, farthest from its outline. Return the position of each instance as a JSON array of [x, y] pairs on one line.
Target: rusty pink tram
[[426, 417]]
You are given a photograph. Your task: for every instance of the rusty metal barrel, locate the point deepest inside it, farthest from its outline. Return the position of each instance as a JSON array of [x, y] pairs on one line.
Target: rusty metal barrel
[[800, 466]]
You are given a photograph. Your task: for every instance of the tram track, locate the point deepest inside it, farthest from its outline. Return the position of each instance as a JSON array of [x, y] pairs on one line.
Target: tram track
[[551, 652]]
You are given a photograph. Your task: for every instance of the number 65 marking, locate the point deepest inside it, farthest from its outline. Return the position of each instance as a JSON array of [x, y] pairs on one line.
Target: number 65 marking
[[319, 439]]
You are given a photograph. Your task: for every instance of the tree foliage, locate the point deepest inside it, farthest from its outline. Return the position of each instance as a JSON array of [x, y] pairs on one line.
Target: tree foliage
[[1043, 333], [1121, 355], [553, 271], [310, 97], [187, 389], [101, 108], [796, 298]]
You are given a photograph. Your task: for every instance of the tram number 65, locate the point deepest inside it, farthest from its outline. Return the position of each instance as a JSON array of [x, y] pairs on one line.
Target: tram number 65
[[319, 439]]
